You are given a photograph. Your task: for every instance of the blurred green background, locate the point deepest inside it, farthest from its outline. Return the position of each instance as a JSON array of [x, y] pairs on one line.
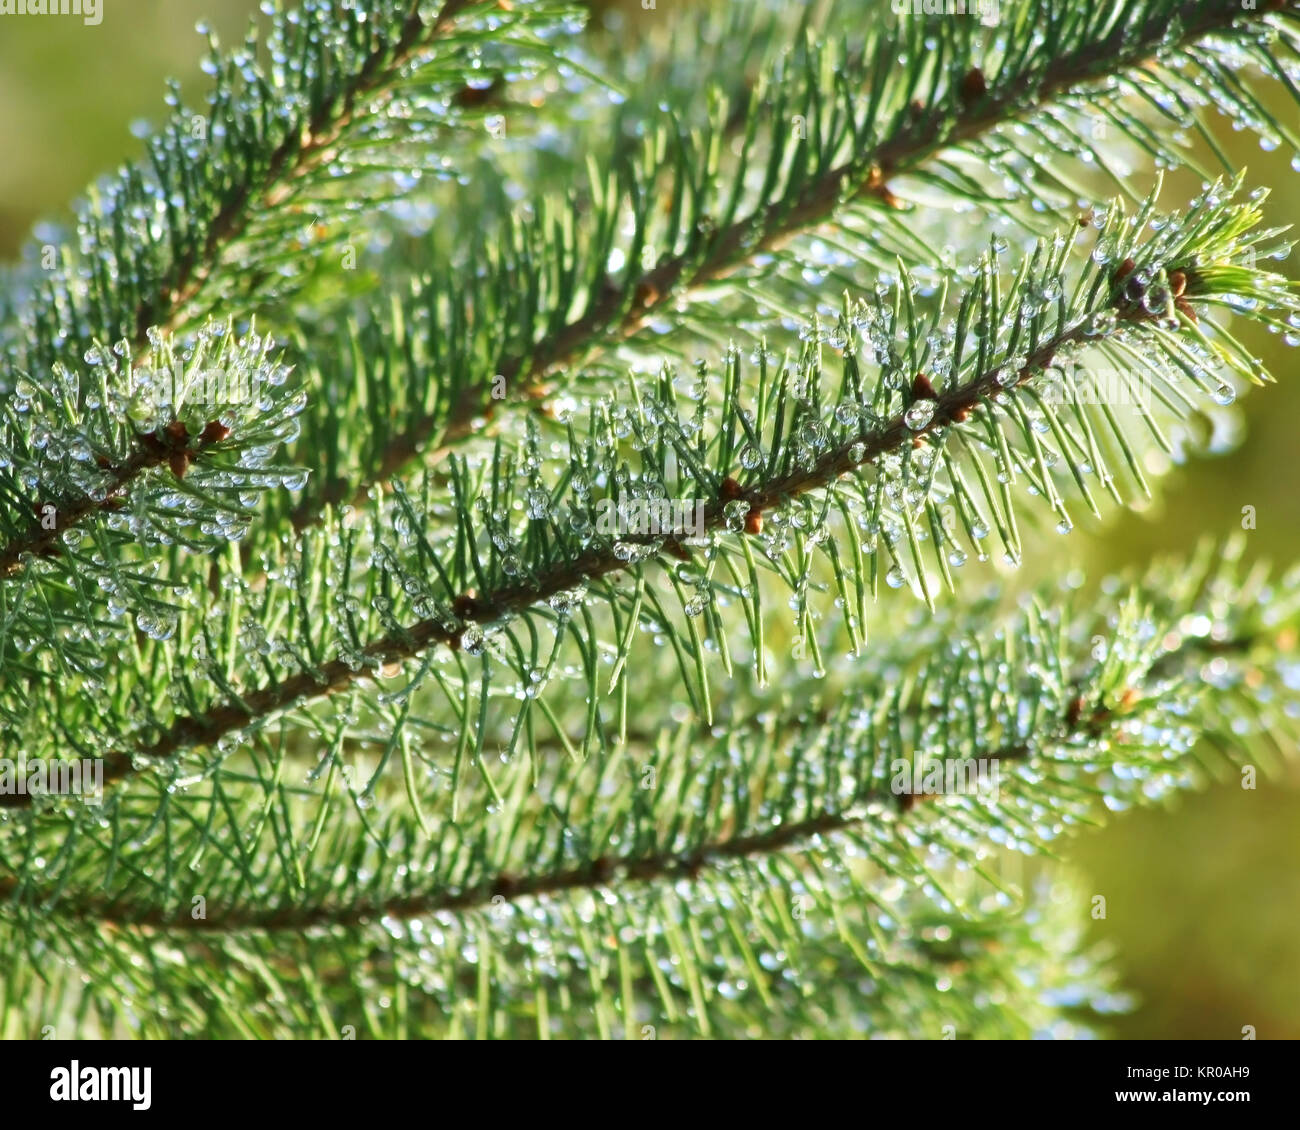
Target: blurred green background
[[1204, 896]]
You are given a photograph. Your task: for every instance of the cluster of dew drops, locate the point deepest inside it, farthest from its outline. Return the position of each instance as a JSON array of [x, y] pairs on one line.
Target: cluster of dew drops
[[123, 396]]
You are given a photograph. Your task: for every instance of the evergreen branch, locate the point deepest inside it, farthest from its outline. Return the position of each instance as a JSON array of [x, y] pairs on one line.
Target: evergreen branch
[[274, 131], [171, 446], [297, 155], [993, 359], [1070, 715], [916, 119], [298, 985]]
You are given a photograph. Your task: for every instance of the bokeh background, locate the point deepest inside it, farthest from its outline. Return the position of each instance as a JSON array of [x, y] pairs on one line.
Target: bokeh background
[[1203, 895]]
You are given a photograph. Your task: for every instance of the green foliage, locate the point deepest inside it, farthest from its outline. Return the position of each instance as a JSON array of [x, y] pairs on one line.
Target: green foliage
[[410, 723]]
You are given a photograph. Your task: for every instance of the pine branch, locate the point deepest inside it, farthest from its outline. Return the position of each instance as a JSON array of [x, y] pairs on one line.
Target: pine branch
[[929, 114], [1069, 717], [102, 468], [1192, 256], [276, 131], [295, 157], [518, 745], [299, 988], [171, 446]]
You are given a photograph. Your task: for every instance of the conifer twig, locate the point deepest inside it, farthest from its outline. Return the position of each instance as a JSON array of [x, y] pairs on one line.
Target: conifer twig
[[169, 446], [1080, 720], [618, 313], [953, 405], [298, 156]]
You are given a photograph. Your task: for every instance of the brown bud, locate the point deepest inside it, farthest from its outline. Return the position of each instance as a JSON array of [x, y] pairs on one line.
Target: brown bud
[[754, 521], [465, 605], [922, 389], [730, 490], [471, 96], [214, 432], [177, 432], [179, 461], [961, 413], [1177, 283], [973, 86], [152, 445], [1075, 711], [1185, 308], [647, 295], [1125, 269]]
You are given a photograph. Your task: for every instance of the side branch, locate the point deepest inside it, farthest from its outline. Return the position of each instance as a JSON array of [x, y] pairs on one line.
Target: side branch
[[621, 311], [170, 445], [298, 155], [1079, 720], [953, 406]]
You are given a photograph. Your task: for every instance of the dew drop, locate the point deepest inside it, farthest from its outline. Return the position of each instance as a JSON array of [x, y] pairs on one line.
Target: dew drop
[[919, 415], [539, 504], [155, 627]]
